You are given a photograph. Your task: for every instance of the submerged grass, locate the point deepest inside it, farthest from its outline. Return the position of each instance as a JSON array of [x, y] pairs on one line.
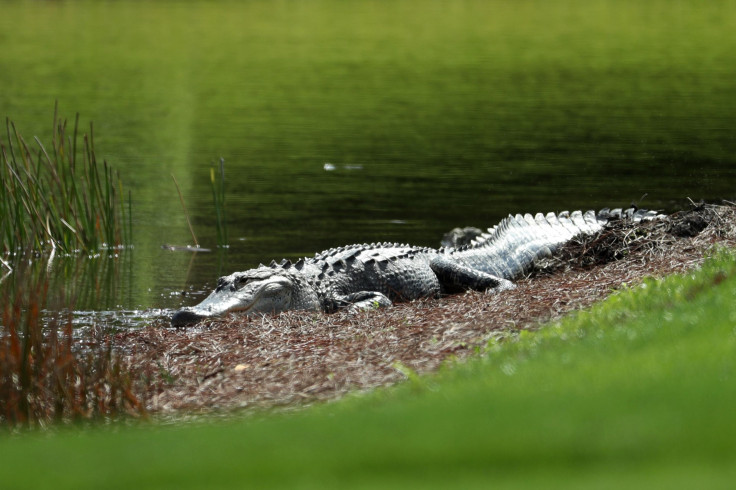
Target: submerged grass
[[636, 392], [61, 199]]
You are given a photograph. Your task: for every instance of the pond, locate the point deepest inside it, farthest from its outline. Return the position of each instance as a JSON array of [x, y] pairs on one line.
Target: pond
[[344, 122]]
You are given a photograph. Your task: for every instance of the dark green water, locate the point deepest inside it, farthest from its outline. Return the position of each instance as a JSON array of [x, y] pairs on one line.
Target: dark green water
[[432, 114]]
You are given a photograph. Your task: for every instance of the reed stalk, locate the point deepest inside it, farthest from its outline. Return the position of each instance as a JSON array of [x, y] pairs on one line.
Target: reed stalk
[[186, 213], [53, 199], [217, 180]]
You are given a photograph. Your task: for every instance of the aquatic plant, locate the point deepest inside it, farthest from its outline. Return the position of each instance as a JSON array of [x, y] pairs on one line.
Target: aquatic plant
[[59, 198], [54, 373], [186, 213], [217, 180]]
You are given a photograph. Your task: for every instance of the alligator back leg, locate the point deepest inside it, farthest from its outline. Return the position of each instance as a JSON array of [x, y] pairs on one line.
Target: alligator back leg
[[456, 277]]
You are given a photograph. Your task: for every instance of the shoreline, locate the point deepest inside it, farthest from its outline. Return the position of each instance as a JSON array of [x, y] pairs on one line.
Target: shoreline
[[294, 359]]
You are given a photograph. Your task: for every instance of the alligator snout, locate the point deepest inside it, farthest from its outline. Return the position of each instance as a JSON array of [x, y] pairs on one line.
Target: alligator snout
[[182, 318]]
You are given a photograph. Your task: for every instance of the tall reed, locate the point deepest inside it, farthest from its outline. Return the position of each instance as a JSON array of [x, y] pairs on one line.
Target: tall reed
[[217, 180], [59, 198]]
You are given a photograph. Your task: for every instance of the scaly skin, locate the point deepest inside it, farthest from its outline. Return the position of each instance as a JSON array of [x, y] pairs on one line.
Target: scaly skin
[[364, 276]]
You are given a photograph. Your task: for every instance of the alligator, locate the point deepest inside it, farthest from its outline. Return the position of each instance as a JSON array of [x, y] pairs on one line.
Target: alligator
[[378, 274]]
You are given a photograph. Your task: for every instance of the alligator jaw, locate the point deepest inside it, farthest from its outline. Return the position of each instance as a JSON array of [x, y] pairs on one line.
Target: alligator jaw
[[261, 290], [185, 317], [192, 315]]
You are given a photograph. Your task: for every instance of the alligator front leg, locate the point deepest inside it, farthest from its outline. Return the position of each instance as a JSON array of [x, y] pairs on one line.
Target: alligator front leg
[[455, 277]]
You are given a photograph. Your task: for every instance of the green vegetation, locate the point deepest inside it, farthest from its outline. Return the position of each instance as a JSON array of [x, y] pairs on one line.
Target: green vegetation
[[57, 200], [637, 393], [443, 105]]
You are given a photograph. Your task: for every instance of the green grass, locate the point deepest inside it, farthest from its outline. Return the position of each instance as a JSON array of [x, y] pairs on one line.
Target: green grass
[[638, 392]]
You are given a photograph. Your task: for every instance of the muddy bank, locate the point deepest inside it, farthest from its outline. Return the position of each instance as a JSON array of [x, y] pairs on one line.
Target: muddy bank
[[296, 358]]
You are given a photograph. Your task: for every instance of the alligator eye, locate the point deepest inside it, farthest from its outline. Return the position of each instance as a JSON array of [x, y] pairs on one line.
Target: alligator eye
[[240, 281]]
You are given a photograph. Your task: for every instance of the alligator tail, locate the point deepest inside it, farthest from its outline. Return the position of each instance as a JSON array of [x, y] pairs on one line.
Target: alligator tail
[[511, 248]]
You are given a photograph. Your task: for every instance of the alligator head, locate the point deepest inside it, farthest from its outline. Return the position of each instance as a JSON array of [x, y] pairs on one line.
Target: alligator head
[[262, 290]]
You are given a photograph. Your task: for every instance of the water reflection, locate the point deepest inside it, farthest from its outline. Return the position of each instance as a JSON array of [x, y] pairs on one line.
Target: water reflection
[[95, 290]]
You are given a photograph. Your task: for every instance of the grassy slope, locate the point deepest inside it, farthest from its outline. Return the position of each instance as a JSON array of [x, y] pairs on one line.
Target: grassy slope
[[639, 391]]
